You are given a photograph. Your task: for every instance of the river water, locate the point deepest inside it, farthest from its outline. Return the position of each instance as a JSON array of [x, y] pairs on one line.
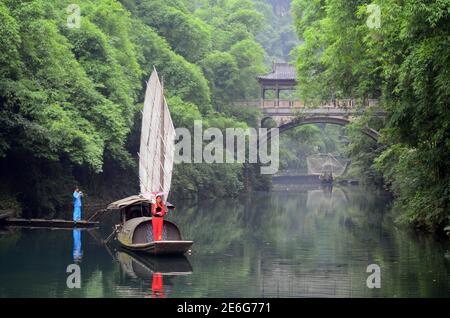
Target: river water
[[294, 242]]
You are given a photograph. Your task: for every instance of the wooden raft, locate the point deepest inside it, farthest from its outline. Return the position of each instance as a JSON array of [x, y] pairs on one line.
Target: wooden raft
[[53, 223]]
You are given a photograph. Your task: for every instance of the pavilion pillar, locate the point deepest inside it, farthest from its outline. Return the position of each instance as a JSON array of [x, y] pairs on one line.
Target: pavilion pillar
[[263, 96], [277, 90]]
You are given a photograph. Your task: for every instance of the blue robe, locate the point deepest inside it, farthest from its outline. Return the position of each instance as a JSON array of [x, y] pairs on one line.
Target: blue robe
[[76, 206]]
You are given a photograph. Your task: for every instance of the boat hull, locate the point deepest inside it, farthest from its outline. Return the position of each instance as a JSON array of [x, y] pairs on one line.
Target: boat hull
[[137, 235], [160, 247]]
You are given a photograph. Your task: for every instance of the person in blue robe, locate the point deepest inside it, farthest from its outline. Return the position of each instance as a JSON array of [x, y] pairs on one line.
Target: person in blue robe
[[77, 195]]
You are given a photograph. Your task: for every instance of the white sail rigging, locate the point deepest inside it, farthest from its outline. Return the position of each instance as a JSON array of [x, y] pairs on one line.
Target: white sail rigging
[[157, 147]]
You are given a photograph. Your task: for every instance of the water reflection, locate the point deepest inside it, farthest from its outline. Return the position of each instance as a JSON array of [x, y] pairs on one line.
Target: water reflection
[[299, 243], [154, 269], [77, 248], [313, 243], [326, 200], [157, 286]]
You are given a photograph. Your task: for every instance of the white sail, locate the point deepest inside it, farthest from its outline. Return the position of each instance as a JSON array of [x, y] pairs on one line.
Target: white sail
[[157, 147]]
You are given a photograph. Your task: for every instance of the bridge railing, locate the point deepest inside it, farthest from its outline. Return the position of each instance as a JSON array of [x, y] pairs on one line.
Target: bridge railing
[[248, 102], [285, 103]]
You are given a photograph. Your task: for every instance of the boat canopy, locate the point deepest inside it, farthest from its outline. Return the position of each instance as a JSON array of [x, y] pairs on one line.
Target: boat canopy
[[123, 203], [133, 200]]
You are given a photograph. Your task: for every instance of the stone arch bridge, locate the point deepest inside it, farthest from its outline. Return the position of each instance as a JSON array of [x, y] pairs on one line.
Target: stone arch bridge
[[289, 112], [316, 116]]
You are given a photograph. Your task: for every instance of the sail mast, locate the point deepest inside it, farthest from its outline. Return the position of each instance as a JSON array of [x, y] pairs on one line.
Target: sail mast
[[162, 141]]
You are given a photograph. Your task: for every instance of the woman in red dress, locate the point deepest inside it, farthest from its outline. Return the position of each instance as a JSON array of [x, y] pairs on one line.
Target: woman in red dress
[[158, 212]]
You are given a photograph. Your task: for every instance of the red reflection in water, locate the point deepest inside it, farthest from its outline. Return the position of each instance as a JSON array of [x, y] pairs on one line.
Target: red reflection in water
[[157, 286]]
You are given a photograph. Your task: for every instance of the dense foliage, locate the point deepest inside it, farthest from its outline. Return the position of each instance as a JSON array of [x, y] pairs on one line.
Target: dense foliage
[[70, 96], [403, 61]]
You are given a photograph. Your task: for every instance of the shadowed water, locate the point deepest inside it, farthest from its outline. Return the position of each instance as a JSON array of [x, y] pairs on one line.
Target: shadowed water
[[304, 242]]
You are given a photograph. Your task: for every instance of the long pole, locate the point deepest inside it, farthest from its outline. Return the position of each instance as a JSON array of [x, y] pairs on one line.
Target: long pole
[[111, 235]]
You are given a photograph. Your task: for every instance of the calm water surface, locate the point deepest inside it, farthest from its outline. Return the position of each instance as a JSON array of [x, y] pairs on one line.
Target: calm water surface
[[300, 242]]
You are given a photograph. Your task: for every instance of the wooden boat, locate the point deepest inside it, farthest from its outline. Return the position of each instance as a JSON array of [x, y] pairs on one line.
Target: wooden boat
[[326, 177], [5, 214], [53, 223], [156, 156], [7, 218], [135, 231]]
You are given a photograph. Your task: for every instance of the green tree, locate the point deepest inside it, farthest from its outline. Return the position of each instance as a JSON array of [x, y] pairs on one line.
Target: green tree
[[249, 57], [404, 63], [180, 77], [221, 70], [187, 35]]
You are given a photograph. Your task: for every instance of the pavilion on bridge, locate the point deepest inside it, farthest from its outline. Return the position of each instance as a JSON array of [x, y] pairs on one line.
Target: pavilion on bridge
[[282, 78], [278, 92]]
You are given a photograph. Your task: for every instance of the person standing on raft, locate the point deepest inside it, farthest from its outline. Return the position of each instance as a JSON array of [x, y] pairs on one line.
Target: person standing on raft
[[158, 212], [77, 195]]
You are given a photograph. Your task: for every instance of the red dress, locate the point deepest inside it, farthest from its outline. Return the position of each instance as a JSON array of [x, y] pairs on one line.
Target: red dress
[[158, 212]]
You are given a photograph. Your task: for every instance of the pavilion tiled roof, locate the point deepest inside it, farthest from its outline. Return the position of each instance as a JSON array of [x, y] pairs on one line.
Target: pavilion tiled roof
[[280, 71]]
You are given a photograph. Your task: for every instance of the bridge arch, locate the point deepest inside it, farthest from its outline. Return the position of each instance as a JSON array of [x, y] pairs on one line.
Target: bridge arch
[[265, 120], [372, 133]]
